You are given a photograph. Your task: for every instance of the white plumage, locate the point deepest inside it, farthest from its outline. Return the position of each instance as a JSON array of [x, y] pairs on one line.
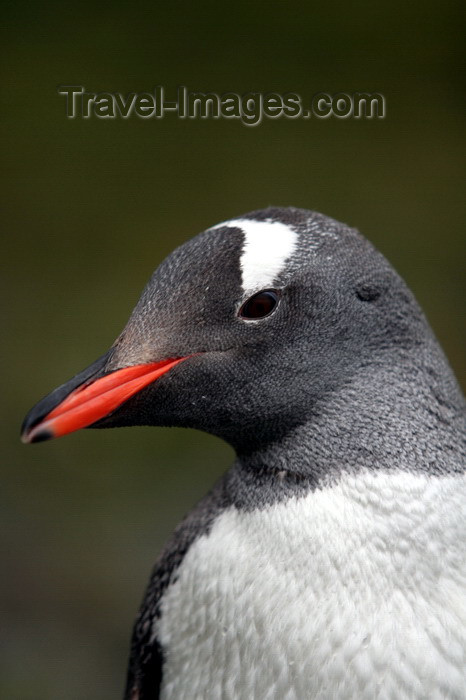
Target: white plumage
[[353, 591], [266, 248]]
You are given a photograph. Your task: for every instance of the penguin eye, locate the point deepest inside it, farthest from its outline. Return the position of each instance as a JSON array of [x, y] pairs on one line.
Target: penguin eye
[[260, 305]]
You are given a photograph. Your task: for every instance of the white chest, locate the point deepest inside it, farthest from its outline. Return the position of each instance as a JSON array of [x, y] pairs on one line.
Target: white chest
[[354, 591]]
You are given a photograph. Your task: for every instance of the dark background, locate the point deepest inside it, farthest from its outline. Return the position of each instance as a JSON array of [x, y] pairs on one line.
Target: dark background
[[91, 207]]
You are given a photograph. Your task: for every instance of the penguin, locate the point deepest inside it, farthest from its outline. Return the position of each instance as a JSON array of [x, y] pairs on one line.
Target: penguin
[[329, 561]]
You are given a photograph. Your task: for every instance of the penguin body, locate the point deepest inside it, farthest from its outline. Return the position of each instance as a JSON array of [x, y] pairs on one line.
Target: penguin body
[[348, 592], [329, 562]]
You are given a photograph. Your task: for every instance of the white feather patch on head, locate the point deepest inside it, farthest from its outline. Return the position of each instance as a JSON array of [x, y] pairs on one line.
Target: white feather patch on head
[[267, 246]]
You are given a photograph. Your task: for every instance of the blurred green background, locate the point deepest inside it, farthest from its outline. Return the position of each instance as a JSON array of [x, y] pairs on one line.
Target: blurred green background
[[91, 207]]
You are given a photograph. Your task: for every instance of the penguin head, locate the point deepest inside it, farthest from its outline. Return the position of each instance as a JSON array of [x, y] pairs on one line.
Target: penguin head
[[243, 332]]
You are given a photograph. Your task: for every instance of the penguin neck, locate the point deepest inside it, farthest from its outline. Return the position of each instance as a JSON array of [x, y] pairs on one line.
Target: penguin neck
[[383, 419]]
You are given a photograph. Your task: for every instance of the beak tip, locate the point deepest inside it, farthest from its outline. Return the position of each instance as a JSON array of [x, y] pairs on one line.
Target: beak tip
[[31, 436]]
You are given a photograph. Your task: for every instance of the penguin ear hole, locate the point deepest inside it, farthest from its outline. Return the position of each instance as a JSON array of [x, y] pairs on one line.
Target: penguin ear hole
[[260, 305], [368, 292]]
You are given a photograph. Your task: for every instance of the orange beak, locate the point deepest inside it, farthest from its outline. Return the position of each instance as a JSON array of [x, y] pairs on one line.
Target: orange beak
[[96, 399]]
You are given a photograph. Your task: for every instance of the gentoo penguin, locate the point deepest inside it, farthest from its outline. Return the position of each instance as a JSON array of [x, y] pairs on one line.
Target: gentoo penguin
[[329, 562]]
